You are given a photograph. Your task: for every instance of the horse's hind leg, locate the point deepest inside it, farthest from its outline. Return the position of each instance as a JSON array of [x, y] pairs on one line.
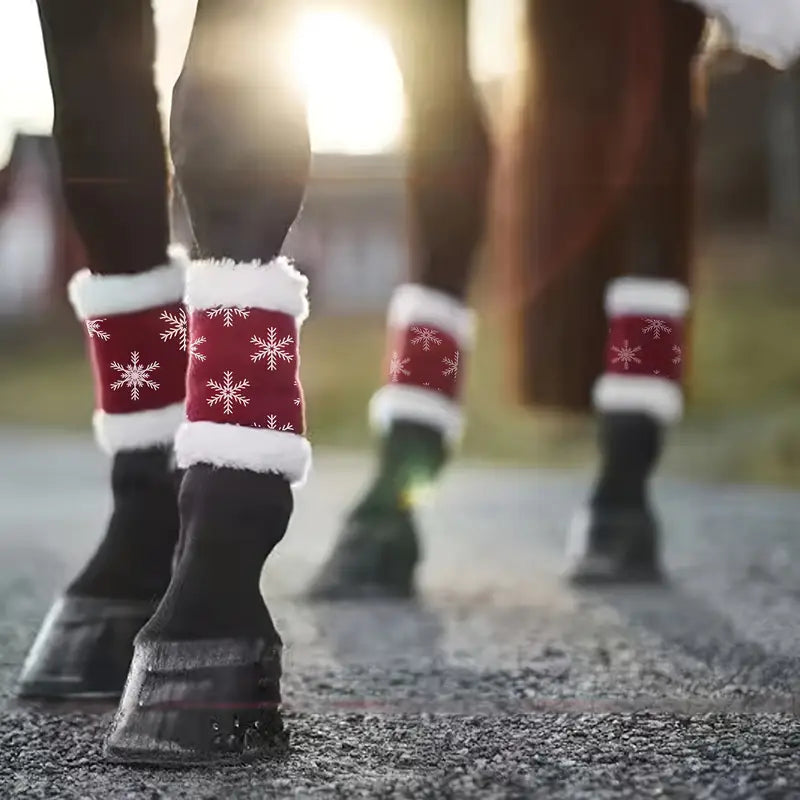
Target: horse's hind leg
[[108, 135], [615, 537], [418, 412]]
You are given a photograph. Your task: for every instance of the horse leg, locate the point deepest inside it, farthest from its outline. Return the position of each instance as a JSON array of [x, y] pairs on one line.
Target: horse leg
[[418, 412], [615, 538], [108, 135], [241, 153]]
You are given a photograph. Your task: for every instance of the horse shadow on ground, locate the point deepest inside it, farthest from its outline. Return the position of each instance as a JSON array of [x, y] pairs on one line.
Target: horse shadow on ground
[[680, 618]]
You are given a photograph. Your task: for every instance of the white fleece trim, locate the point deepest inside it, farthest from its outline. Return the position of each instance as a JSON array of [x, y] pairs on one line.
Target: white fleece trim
[[105, 295], [276, 286], [660, 397], [410, 403], [137, 430], [646, 296], [241, 447], [413, 304]]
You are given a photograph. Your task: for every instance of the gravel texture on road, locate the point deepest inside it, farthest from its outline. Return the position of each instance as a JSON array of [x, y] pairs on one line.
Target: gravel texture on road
[[500, 681]]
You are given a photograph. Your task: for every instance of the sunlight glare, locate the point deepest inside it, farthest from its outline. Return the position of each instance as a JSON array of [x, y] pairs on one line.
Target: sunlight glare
[[352, 83]]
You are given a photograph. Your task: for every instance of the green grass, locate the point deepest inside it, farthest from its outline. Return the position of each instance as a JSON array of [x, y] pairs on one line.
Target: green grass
[[743, 422]]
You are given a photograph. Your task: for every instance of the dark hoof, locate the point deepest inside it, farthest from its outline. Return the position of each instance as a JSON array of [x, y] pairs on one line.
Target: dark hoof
[[83, 650], [613, 547], [375, 558], [200, 703]]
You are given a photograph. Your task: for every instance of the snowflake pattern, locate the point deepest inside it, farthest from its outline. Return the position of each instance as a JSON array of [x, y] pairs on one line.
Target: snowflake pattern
[[135, 375], [272, 424], [425, 337], [177, 327], [678, 354], [656, 327], [451, 366], [93, 329], [626, 354], [228, 392], [227, 313], [193, 351], [272, 348], [397, 367]]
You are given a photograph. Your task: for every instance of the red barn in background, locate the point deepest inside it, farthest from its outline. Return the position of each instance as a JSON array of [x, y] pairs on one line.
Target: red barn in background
[[39, 248]]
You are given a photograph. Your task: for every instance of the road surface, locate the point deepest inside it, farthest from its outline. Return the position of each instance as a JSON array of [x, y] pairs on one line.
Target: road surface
[[501, 682]]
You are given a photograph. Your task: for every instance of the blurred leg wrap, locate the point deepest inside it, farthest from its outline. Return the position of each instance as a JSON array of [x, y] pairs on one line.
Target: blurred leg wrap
[[644, 349], [245, 404], [429, 339]]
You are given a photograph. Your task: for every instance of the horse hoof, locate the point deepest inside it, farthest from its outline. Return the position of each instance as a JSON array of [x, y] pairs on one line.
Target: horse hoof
[[200, 703], [374, 558], [83, 649], [613, 547]]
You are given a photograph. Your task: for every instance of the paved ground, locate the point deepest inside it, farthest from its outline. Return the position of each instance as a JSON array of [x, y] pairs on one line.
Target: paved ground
[[502, 682]]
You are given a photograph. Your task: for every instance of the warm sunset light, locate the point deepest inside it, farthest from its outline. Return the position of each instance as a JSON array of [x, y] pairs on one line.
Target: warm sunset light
[[353, 84]]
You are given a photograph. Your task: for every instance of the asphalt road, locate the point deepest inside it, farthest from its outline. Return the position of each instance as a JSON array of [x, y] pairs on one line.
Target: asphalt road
[[501, 682]]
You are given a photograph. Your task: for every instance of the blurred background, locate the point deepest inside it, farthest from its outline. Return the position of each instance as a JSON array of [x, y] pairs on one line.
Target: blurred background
[[743, 422]]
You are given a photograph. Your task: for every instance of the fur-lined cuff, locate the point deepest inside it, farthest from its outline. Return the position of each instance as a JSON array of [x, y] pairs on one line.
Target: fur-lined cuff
[[138, 430], [241, 447], [276, 286], [412, 304], [393, 403], [106, 295], [660, 397], [646, 297]]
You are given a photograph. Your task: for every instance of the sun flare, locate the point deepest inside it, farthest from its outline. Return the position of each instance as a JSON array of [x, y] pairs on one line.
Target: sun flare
[[352, 83]]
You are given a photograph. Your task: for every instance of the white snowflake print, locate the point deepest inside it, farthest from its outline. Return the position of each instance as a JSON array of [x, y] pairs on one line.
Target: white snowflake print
[[656, 327], [177, 327], [193, 351], [227, 313], [451, 366], [93, 329], [397, 367], [425, 337], [135, 375], [626, 354], [272, 424], [228, 392], [272, 349], [678, 354]]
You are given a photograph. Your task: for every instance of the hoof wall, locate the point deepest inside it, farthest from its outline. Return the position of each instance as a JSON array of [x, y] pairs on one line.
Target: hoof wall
[[375, 558], [614, 547], [83, 649], [200, 703]]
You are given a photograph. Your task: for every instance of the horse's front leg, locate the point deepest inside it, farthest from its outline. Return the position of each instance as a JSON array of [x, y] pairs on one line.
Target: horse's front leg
[[418, 412], [108, 135], [205, 681]]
